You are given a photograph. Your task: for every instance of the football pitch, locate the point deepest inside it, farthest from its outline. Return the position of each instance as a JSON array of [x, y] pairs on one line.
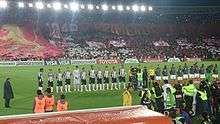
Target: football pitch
[[24, 81]]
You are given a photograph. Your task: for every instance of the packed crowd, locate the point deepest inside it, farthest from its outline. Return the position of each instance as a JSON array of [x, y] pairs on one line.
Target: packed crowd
[[125, 46]]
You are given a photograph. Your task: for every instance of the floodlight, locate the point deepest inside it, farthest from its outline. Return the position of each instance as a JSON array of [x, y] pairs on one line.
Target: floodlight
[[90, 7], [113, 7], [74, 6], [120, 8], [104, 7], [150, 8], [30, 5], [97, 7], [82, 6], [49, 6], [135, 8], [57, 6], [65, 6], [39, 5], [20, 4], [142, 8], [3, 4], [128, 8]]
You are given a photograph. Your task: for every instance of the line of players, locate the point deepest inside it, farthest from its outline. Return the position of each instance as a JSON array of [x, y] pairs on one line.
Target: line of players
[[182, 74], [98, 79]]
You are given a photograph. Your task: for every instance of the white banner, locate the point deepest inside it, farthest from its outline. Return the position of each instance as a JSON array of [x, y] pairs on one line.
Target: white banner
[[81, 62], [131, 61], [174, 60], [20, 63], [7, 63]]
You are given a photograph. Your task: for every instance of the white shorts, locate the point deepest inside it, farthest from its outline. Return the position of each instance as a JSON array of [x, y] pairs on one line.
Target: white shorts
[[202, 76], [158, 78], [179, 78], [165, 77], [185, 76], [172, 77], [215, 76], [76, 81], [191, 75], [196, 75]]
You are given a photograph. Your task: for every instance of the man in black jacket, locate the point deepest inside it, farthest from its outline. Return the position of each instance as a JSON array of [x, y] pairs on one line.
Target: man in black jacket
[[8, 93]]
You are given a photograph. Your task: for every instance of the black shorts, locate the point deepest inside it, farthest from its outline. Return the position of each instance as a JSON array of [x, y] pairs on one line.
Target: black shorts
[[99, 81], [91, 80], [50, 83], [40, 83], [68, 81], [152, 77], [83, 81], [106, 80], [59, 83], [121, 79], [114, 80]]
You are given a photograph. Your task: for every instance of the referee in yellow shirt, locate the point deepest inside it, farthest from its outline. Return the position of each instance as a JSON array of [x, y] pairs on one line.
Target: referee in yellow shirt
[[127, 97]]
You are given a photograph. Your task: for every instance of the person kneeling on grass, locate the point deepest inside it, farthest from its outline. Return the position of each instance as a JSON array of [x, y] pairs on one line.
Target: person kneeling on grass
[[39, 103], [62, 104], [127, 97], [49, 101]]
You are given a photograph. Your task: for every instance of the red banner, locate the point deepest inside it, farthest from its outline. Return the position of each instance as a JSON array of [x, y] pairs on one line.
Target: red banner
[[117, 115], [108, 61]]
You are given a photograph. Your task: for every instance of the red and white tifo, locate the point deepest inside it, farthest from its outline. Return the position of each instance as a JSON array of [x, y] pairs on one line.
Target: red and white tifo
[[115, 115]]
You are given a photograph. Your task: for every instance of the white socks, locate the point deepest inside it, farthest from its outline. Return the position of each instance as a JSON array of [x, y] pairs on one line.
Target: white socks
[[89, 87], [93, 87], [59, 87], [66, 89], [119, 86]]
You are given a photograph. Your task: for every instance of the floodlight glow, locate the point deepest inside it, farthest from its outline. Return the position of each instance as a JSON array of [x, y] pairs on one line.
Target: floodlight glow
[[57, 6], [49, 6], [120, 8], [113, 7], [135, 8], [39, 5], [20, 4], [65, 6], [90, 7], [104, 7], [128, 8], [97, 7], [30, 5], [150, 8], [3, 4], [82, 6], [143, 8], [74, 6]]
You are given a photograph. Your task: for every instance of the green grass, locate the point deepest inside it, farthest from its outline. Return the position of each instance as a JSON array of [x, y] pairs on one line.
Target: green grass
[[24, 80]]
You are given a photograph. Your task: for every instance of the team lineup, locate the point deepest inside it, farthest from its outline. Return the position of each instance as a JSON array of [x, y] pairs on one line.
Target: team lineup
[[109, 79]]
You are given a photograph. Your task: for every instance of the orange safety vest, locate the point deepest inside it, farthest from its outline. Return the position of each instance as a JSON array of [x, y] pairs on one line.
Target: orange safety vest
[[49, 103], [39, 105], [61, 106]]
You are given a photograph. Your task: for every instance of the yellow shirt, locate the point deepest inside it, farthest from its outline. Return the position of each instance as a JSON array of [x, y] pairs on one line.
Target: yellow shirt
[[151, 72], [127, 98]]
